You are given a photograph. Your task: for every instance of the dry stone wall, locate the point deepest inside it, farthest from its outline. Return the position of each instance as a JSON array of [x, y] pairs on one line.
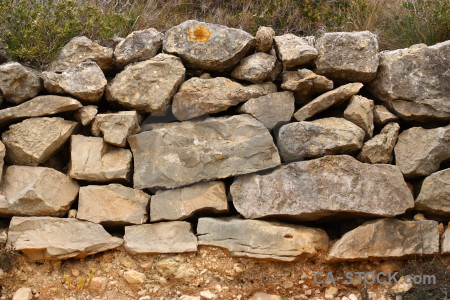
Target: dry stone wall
[[206, 135]]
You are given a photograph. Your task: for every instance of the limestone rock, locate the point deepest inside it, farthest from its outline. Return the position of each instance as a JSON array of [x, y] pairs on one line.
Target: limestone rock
[[2, 158], [198, 97], [305, 84], [381, 115], [182, 203], [264, 39], [360, 112], [419, 151], [112, 205], [324, 101], [379, 149], [23, 294], [179, 154], [264, 296], [261, 239], [207, 46], [337, 186], [86, 114], [414, 82], [147, 85], [300, 140], [32, 141], [295, 51], [116, 127], [42, 238], [387, 238], [272, 110], [434, 196], [138, 46], [18, 83], [3, 237], [165, 237], [445, 247], [94, 160], [255, 68], [352, 56], [84, 81], [133, 277]]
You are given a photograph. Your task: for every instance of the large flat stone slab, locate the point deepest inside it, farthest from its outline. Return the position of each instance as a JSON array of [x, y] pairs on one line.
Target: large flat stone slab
[[434, 196]]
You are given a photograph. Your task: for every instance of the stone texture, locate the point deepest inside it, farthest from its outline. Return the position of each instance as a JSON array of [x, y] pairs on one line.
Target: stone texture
[[86, 114], [264, 296], [419, 151], [183, 153], [23, 293], [84, 81], [255, 68], [360, 112], [43, 238], [382, 116], [261, 239], [352, 56], [32, 141], [414, 82], [134, 277], [434, 196], [264, 39], [387, 238], [305, 83], [198, 97], [295, 51], [18, 83], [272, 110], [445, 247], [148, 85], [2, 158], [324, 101], [180, 204], [379, 149], [138, 46], [338, 186], [91, 159], [300, 140], [116, 127], [165, 237], [207, 46]]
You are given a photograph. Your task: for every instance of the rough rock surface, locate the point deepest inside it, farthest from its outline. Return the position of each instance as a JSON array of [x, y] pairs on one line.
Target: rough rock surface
[[352, 56], [183, 153], [419, 151], [182, 203], [116, 127], [381, 115], [295, 51], [32, 141], [42, 238], [305, 83], [18, 83], [380, 149], [434, 196], [198, 97], [255, 68], [261, 239], [272, 110], [23, 293], [112, 205], [387, 238], [207, 46], [414, 81], [86, 114], [147, 85], [360, 112], [91, 159], [324, 101], [300, 140], [445, 248], [264, 39], [165, 237], [2, 158], [328, 186]]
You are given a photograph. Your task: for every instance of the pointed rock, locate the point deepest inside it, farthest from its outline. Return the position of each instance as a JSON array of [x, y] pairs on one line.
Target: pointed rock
[[255, 68], [380, 149], [434, 197], [305, 84], [86, 114], [360, 112], [116, 127], [381, 115], [295, 51], [19, 83]]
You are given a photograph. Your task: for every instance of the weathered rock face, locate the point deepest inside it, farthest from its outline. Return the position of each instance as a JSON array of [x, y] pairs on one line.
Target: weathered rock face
[[84, 81], [414, 82], [272, 110], [42, 238], [86, 114], [198, 97], [2, 158], [36, 191], [255, 68], [138, 46], [328, 186], [434, 197], [91, 159], [184, 153], [261, 239], [166, 237], [300, 140], [33, 141], [387, 238], [79, 49], [180, 204], [445, 248], [324, 101], [207, 46], [18, 83], [112, 205], [264, 39], [360, 112], [305, 84], [381, 115], [295, 51], [379, 149], [116, 127], [148, 85], [419, 151], [352, 56]]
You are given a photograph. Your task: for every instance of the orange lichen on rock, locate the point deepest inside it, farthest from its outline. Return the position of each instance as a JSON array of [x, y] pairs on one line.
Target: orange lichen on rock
[[198, 34]]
